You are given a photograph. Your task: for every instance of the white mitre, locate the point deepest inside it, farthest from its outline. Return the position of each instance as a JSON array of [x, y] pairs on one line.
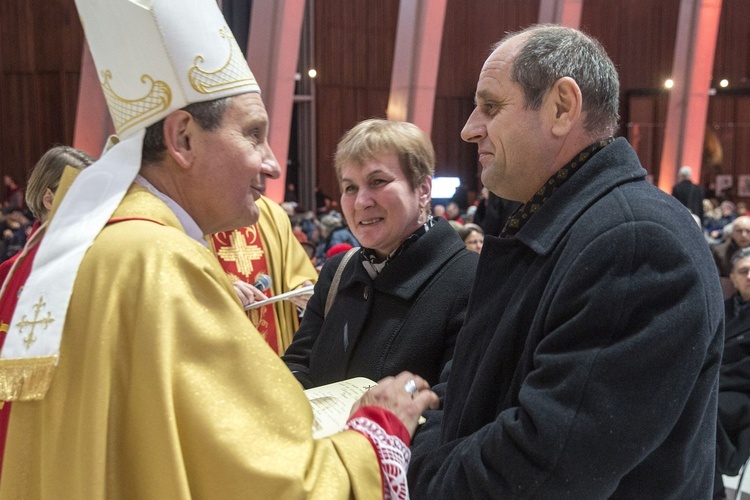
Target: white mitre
[[153, 57]]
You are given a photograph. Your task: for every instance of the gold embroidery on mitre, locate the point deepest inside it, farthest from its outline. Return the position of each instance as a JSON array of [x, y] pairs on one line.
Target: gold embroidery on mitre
[[4, 327], [129, 112], [31, 338], [234, 73]]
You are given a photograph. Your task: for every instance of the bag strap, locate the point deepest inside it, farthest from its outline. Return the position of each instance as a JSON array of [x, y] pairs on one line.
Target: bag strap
[[336, 278]]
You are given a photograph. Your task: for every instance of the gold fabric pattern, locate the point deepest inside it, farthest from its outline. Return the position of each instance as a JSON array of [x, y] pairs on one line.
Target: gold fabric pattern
[[127, 113], [525, 211], [233, 73], [26, 379]]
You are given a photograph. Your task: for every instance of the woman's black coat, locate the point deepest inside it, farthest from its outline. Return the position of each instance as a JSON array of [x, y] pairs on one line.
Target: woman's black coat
[[407, 318]]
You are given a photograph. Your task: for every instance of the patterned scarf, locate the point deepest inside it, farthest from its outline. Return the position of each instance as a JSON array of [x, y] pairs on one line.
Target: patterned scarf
[[525, 211], [374, 265]]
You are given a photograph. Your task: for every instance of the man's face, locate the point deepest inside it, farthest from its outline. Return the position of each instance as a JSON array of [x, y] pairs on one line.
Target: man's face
[[740, 277], [511, 139], [741, 231], [232, 162]]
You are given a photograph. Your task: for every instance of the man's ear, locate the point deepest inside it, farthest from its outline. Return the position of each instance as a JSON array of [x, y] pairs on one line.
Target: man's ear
[[565, 105], [178, 128]]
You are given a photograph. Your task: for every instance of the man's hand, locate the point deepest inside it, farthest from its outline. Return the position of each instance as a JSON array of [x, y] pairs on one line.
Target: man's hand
[[392, 393], [247, 293]]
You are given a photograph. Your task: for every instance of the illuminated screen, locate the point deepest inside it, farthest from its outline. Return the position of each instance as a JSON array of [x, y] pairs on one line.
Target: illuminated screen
[[444, 187]]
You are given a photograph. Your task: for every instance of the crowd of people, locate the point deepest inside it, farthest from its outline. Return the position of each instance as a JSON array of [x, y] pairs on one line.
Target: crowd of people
[[563, 338]]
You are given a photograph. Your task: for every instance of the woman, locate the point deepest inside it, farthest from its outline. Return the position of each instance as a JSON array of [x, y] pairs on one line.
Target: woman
[[40, 193], [472, 236], [402, 297]]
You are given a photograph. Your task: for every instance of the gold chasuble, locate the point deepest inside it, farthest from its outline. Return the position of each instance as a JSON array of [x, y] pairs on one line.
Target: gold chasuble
[[267, 247], [165, 390]]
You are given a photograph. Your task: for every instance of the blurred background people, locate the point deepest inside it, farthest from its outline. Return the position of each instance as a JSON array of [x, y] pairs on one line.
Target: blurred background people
[[472, 236], [737, 238], [332, 231], [13, 196]]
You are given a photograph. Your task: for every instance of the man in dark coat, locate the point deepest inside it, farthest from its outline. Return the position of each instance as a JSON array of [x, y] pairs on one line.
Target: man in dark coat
[[733, 432], [588, 363], [689, 194]]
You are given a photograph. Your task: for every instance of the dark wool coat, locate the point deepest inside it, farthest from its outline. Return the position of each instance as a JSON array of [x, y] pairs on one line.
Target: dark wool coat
[[733, 436], [588, 363], [690, 195], [405, 319]]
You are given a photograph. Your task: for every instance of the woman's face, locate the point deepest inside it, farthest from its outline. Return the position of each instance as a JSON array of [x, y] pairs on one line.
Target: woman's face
[[474, 241], [381, 208]]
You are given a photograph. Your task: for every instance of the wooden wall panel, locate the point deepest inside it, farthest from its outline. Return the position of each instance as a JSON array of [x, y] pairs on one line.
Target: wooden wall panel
[[40, 52], [732, 59], [471, 28], [354, 44]]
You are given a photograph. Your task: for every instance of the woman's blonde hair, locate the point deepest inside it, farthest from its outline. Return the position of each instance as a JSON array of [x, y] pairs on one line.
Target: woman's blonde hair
[[371, 139], [48, 171]]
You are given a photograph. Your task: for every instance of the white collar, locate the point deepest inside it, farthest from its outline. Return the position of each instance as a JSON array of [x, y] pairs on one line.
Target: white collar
[[190, 226]]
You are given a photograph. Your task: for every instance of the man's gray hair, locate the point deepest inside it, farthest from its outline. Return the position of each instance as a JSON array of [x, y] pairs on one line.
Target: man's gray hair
[[686, 172], [552, 52], [208, 114], [740, 254]]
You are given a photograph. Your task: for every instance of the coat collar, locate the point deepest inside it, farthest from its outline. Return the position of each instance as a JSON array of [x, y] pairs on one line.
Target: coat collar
[[404, 276], [613, 166]]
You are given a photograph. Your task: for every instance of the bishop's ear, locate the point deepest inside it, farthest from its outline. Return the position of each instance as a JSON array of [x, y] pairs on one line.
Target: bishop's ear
[[178, 128], [565, 105]]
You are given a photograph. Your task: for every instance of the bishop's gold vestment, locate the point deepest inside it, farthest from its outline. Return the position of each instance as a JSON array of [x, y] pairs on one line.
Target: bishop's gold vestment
[[164, 389]]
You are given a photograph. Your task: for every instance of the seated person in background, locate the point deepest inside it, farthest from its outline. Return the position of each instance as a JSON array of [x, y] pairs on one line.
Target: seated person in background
[[453, 212], [13, 197], [402, 298], [472, 236], [724, 216], [733, 434], [332, 232], [738, 238]]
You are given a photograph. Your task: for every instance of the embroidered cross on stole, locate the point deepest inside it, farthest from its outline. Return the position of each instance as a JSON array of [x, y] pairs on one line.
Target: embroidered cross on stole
[[243, 258]]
